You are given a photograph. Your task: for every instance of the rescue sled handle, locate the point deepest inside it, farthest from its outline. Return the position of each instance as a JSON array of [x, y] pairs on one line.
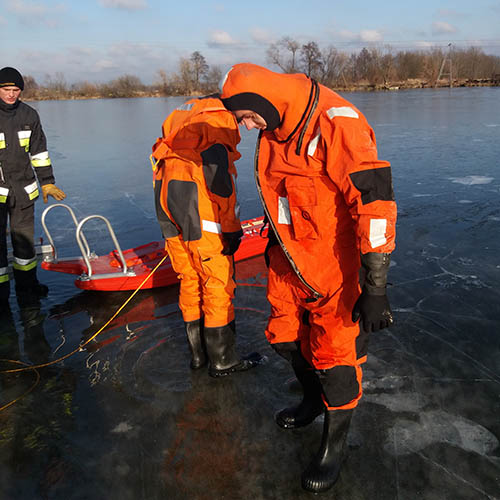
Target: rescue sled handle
[[85, 251], [80, 239]]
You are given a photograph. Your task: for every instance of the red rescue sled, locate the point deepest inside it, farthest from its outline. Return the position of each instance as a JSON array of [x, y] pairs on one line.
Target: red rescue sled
[[126, 270]]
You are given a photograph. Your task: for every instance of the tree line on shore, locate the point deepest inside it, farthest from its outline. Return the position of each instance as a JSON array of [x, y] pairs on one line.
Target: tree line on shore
[[371, 68]]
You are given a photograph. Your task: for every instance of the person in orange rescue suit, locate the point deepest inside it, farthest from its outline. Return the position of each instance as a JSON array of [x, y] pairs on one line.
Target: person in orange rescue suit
[[23, 153], [331, 210], [194, 184]]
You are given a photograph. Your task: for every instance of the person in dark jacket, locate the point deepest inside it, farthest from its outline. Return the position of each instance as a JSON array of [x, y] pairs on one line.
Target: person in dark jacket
[[23, 153]]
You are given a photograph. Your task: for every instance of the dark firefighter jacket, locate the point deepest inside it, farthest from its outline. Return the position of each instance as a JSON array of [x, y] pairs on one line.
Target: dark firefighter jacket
[[23, 151]]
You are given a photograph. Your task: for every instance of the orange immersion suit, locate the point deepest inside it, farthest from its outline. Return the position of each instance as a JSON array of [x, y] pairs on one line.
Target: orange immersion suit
[[194, 179], [328, 198]]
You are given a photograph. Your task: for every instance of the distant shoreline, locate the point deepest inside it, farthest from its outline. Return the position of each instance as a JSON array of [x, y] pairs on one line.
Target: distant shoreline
[[364, 87]]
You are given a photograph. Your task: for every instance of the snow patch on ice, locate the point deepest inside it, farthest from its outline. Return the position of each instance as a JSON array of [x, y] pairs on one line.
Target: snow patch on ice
[[471, 180], [439, 427], [122, 428]]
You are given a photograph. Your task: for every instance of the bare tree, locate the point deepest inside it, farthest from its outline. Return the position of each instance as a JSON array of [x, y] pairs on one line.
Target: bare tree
[[386, 65], [409, 64], [467, 63], [31, 87], [333, 66], [162, 83], [311, 59], [432, 64], [56, 84], [199, 68], [84, 89], [283, 54], [366, 65], [124, 86], [213, 79], [182, 83]]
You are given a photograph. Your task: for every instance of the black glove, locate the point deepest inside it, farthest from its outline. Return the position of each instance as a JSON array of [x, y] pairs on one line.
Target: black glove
[[372, 306], [231, 242], [374, 311]]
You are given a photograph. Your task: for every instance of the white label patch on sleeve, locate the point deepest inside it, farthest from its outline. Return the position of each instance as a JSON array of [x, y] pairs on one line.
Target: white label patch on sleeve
[[311, 149], [342, 111], [378, 228], [211, 227], [283, 211], [31, 187]]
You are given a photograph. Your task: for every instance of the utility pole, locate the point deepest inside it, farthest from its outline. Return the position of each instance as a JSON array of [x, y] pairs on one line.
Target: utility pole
[[446, 59]]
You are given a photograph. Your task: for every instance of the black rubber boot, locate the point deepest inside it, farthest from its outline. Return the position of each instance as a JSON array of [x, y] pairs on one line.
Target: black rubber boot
[[311, 405], [27, 284], [223, 359], [194, 332], [323, 471]]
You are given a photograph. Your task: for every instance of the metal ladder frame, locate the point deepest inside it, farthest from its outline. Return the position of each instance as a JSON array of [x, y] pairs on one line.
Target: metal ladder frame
[[87, 254]]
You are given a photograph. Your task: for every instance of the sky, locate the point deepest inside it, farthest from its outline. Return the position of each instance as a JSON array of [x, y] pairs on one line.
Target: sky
[[100, 40]]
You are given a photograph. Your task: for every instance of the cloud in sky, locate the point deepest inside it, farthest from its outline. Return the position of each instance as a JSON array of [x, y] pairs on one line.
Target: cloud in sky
[[363, 36], [370, 36], [442, 28], [423, 44], [260, 35], [39, 13], [124, 4], [96, 64], [220, 37]]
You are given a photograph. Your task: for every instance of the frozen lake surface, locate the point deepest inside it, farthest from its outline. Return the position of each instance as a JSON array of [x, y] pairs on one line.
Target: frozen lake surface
[[125, 418]]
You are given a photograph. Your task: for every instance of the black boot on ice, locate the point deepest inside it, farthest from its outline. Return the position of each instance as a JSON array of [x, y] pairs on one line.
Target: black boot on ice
[[196, 343], [323, 471], [220, 343], [309, 408], [28, 286]]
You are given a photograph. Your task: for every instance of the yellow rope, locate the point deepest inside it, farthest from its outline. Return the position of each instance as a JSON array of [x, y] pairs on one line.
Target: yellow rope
[[81, 346], [4, 407]]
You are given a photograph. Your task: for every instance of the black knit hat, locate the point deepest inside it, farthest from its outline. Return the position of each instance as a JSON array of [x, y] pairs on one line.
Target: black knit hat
[[10, 77], [256, 103]]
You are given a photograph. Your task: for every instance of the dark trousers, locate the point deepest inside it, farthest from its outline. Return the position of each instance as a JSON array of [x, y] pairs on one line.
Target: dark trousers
[[21, 223]]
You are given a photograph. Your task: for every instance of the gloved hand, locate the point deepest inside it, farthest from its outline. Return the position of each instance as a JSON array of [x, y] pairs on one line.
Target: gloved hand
[[372, 306], [231, 242], [52, 190], [374, 311]]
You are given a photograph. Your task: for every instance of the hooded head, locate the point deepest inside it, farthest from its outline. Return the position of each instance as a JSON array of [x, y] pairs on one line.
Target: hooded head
[[278, 98], [10, 77]]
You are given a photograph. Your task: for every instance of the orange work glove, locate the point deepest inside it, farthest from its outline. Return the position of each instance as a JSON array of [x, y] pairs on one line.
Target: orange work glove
[[54, 191]]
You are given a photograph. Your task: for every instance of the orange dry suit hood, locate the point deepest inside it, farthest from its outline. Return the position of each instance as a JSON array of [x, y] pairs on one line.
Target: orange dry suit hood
[[281, 99]]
